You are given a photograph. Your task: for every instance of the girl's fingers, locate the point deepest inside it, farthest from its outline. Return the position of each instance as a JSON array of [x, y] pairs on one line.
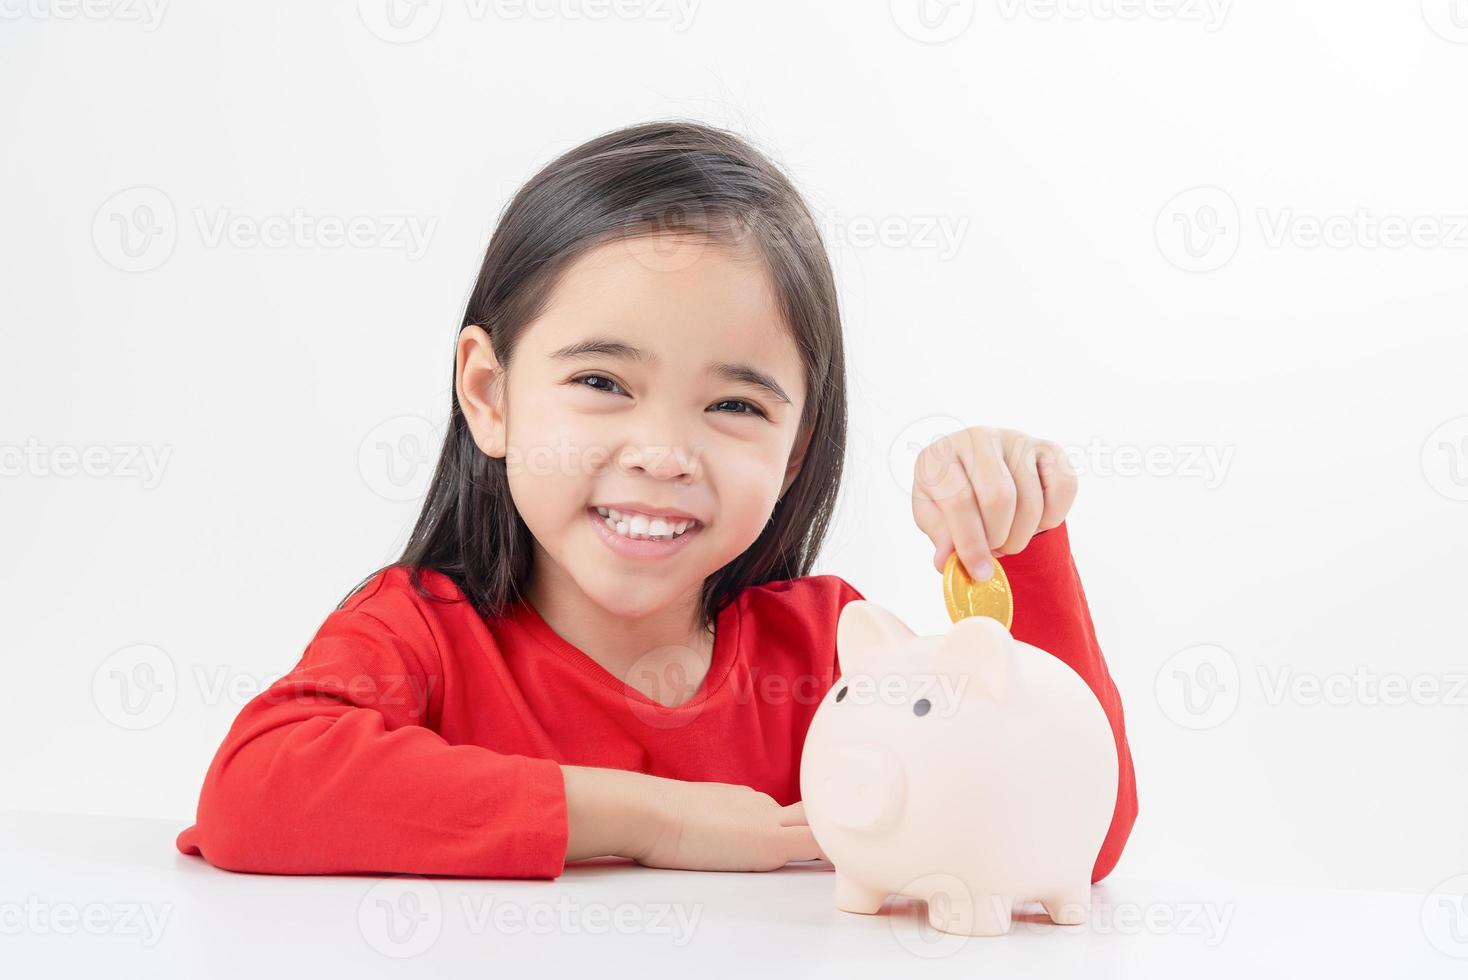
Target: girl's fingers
[[1029, 495], [930, 520], [983, 492], [993, 488], [800, 844], [955, 497], [1058, 478], [963, 526], [944, 548], [793, 817], [938, 474]]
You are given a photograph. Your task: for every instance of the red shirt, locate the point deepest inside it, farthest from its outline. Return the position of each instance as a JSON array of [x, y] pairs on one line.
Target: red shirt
[[414, 736]]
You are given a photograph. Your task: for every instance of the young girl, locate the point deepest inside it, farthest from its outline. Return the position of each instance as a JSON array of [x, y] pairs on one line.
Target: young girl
[[602, 637]]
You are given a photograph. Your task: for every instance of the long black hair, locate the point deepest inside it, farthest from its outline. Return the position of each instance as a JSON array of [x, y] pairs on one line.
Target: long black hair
[[679, 177]]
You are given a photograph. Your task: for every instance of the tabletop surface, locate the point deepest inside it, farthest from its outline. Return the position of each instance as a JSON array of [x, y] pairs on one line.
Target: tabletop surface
[[80, 895]]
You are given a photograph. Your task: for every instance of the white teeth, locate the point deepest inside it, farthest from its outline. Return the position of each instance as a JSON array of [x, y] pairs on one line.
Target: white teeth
[[641, 527]]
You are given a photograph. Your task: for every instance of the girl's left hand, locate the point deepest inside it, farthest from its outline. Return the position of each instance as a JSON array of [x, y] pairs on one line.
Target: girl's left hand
[[987, 492]]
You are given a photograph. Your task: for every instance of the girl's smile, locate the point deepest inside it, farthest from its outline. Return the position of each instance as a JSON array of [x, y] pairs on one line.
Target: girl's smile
[[624, 540]]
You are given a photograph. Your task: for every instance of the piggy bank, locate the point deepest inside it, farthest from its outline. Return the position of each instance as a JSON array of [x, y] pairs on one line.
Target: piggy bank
[[968, 770]]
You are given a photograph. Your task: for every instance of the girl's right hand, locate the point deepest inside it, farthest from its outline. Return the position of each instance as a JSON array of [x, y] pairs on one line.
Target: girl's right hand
[[725, 827]]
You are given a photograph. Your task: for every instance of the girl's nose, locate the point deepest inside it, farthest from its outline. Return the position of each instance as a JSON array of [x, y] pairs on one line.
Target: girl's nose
[[663, 461]]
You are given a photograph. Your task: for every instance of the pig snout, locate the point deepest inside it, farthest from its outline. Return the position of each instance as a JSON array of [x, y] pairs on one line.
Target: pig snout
[[861, 787]]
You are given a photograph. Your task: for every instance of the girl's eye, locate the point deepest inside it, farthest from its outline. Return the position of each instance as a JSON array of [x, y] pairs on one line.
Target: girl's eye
[[599, 377], [753, 409]]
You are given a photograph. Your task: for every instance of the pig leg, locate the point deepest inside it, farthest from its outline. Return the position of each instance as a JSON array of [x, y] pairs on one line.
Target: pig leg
[[853, 897], [1069, 908], [988, 915]]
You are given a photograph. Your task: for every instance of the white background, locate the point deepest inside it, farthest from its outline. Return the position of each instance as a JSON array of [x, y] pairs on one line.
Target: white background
[[1008, 189]]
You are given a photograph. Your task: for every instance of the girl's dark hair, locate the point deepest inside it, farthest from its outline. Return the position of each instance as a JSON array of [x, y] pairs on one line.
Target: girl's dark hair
[[664, 177]]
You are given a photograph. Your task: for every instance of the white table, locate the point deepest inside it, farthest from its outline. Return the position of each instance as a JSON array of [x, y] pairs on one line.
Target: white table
[[84, 896]]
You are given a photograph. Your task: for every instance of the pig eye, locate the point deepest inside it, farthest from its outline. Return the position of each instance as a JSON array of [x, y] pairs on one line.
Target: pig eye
[[920, 707], [841, 693]]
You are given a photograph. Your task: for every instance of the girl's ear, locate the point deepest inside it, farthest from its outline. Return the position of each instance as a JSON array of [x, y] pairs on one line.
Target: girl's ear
[[479, 385]]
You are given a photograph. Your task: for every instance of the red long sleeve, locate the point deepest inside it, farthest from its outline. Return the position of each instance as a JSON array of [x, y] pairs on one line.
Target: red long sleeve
[[332, 770], [1050, 612], [415, 736]]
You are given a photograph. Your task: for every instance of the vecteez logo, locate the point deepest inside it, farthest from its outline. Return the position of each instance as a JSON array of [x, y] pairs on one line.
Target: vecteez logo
[[1197, 230], [1448, 19], [407, 21], [1211, 14], [135, 230], [138, 229], [1201, 229], [147, 14], [932, 21]]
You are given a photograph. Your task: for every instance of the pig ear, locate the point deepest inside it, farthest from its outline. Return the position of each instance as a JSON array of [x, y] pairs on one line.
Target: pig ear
[[862, 632], [984, 647]]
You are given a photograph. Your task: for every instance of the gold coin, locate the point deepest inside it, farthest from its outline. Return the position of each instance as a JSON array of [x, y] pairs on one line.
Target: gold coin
[[965, 597]]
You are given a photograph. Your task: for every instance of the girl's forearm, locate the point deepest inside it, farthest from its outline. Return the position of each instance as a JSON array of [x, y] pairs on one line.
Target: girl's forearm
[[610, 812]]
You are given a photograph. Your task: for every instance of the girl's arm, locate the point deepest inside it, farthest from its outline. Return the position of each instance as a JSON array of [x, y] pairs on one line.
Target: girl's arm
[[332, 770], [1050, 612], [609, 812]]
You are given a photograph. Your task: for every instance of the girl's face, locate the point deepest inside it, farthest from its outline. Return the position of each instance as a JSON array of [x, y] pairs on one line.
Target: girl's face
[[661, 376]]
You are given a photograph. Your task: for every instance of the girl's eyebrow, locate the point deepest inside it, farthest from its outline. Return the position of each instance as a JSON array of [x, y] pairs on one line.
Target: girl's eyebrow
[[607, 347]]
